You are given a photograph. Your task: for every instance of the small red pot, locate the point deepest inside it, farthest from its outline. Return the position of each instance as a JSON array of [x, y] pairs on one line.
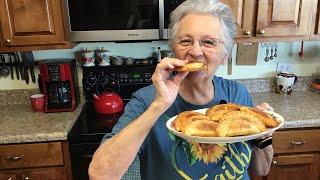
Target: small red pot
[[108, 103]]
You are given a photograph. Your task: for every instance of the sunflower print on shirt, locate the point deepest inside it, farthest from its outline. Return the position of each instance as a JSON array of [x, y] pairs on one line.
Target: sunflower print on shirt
[[210, 154]]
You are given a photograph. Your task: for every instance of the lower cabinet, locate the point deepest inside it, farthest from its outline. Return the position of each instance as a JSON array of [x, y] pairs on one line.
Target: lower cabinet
[[35, 174], [35, 161], [297, 155]]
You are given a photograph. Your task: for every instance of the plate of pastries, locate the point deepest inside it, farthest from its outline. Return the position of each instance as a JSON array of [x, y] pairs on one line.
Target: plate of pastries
[[224, 123]]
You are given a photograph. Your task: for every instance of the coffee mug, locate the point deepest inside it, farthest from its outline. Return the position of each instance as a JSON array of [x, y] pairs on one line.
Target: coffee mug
[[88, 58], [37, 102], [117, 60], [103, 57], [285, 82], [129, 61]]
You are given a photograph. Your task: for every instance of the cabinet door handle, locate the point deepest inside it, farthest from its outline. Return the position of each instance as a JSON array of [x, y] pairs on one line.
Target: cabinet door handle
[[297, 142], [14, 158], [8, 41], [247, 33], [26, 178], [10, 179], [262, 31]]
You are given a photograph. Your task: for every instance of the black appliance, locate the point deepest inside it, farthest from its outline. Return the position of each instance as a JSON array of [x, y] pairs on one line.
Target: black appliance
[[90, 127], [59, 81], [121, 20]]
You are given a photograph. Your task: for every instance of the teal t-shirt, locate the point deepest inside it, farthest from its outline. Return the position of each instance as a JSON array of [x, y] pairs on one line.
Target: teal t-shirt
[[165, 156]]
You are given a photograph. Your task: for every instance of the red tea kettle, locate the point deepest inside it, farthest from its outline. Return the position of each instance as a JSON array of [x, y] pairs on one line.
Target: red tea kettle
[[108, 103]]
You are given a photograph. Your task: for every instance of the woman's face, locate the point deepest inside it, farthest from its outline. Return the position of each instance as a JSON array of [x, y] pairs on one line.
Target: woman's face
[[193, 28]]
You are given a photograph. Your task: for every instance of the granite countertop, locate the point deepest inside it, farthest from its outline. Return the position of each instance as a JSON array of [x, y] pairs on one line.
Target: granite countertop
[[301, 109], [19, 124]]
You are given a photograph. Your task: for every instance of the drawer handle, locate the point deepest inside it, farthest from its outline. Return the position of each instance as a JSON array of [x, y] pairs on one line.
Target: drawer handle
[[26, 178], [274, 163], [14, 158], [293, 143]]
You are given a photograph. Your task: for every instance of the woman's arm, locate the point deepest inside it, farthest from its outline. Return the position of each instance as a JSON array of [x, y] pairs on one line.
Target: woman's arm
[[114, 156], [261, 159]]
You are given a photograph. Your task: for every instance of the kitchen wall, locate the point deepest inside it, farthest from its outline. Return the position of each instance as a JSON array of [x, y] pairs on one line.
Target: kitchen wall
[[287, 53]]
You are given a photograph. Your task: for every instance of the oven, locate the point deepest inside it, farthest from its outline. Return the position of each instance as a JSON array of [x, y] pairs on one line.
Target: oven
[[85, 135]]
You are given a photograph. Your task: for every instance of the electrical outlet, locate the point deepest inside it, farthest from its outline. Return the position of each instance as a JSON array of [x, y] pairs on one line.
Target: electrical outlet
[[283, 67]]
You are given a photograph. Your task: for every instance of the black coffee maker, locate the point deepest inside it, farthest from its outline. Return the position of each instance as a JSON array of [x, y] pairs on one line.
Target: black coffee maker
[[59, 81]]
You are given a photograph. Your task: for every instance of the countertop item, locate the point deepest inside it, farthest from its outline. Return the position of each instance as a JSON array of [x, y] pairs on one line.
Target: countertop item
[[19, 124]]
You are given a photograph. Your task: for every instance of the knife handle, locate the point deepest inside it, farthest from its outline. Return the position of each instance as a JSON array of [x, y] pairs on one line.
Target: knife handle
[[16, 65]]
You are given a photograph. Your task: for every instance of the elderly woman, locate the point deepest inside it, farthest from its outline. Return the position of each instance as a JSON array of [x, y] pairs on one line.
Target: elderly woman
[[202, 31]]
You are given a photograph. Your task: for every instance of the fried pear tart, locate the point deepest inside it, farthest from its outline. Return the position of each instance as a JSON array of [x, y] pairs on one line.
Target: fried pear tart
[[177, 124], [204, 128], [224, 120], [267, 119], [192, 66], [218, 111]]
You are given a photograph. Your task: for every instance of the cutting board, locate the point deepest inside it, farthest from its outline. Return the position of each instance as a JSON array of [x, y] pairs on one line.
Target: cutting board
[[247, 54]]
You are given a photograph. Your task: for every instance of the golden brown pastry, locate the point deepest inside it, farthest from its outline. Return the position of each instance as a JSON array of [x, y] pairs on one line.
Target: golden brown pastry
[[267, 119], [203, 128], [192, 66], [177, 123], [186, 122], [218, 111], [246, 117], [236, 127]]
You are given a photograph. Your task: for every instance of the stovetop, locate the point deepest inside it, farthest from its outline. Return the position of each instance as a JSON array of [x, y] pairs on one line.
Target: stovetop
[[90, 126]]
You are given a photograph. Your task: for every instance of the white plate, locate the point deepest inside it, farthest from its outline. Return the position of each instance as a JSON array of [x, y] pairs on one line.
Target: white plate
[[217, 140]]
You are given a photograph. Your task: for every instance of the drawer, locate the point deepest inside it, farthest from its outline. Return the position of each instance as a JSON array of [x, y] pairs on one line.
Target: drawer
[[296, 141], [31, 155]]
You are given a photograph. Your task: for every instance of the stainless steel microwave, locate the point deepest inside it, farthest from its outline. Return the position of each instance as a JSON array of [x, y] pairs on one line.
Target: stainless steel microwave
[[119, 20]]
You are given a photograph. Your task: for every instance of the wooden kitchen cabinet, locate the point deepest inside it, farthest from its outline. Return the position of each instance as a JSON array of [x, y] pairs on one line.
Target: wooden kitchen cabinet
[[297, 155], [315, 29], [32, 25], [271, 20], [36, 161]]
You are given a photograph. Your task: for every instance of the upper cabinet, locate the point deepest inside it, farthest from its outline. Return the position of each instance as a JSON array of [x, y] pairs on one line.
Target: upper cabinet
[[315, 29], [272, 20], [32, 25]]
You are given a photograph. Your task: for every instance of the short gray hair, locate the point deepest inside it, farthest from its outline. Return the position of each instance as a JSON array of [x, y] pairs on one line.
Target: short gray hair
[[212, 7]]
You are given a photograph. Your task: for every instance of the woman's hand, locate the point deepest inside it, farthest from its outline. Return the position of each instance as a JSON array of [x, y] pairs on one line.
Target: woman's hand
[[167, 89], [265, 106]]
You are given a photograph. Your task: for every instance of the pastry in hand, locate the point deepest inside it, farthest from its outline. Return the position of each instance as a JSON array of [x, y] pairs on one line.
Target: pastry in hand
[[268, 119], [192, 66], [203, 128]]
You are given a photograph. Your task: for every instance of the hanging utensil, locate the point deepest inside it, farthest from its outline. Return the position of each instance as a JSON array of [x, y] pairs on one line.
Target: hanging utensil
[[5, 70], [25, 64], [275, 52], [230, 64], [271, 56], [11, 65], [30, 59], [15, 61], [19, 65], [301, 50], [266, 59]]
